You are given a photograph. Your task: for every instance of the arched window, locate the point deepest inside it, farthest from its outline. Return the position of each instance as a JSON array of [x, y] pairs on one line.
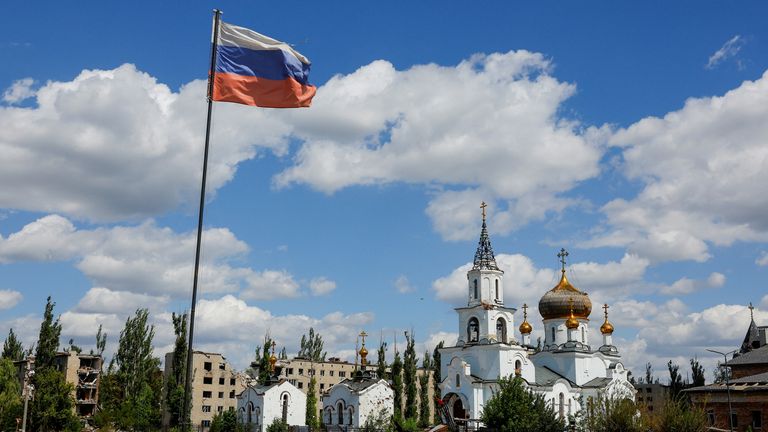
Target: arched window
[[518, 367], [553, 335], [583, 340], [340, 409], [501, 330], [458, 381], [569, 406], [285, 408], [562, 405], [257, 414], [249, 412], [474, 295], [351, 412], [497, 289], [473, 330], [329, 415]]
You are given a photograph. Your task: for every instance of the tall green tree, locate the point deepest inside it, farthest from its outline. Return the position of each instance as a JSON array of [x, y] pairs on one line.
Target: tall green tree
[[136, 380], [12, 348], [101, 341], [648, 373], [225, 421], [381, 361], [697, 373], [513, 408], [51, 408], [397, 385], [436, 379], [409, 377], [10, 395], [613, 415], [675, 379], [177, 377], [311, 348], [259, 369], [424, 402]]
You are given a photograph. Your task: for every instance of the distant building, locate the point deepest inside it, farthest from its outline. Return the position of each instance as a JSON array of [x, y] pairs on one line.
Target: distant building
[[83, 371], [651, 396], [351, 402], [747, 388], [215, 386]]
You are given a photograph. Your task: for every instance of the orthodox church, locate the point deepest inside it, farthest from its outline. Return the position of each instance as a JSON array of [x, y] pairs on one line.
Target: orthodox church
[[567, 369]]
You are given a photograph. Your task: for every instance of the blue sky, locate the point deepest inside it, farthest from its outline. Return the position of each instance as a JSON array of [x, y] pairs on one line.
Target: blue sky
[[633, 134]]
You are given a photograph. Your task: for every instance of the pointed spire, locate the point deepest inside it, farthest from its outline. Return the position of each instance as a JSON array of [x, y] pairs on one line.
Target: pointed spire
[[484, 258]]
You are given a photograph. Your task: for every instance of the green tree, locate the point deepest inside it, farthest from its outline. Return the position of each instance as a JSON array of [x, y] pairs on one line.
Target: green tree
[[612, 415], [381, 363], [10, 395], [177, 377], [678, 416], [311, 348], [513, 408], [409, 378], [278, 425], [225, 421], [436, 378], [101, 342], [697, 373], [12, 348], [424, 401], [648, 373], [675, 379], [48, 341], [135, 380], [397, 385], [259, 369]]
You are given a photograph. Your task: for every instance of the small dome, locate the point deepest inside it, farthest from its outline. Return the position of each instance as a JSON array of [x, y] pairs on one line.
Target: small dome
[[525, 327], [571, 323], [555, 303], [606, 328]]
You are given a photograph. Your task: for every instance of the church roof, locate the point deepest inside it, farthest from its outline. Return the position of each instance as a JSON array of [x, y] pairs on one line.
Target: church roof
[[547, 377], [757, 378], [484, 258], [757, 356], [358, 384], [597, 382]]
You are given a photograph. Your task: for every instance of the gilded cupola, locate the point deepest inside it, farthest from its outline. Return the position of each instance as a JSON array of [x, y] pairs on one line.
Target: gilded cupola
[[606, 328], [525, 327], [556, 303]]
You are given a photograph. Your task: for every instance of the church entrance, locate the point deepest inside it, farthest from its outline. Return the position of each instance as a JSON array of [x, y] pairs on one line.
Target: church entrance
[[456, 407]]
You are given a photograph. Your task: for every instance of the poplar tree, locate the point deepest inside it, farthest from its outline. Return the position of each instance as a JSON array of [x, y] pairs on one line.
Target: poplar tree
[[10, 395], [12, 348], [397, 385], [177, 377], [426, 366], [381, 364], [311, 348], [409, 378], [436, 379], [697, 373]]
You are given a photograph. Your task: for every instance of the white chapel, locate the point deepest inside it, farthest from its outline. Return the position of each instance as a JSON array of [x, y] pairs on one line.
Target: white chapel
[[569, 369]]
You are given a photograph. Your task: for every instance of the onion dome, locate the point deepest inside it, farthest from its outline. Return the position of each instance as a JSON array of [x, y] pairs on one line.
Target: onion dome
[[571, 323], [555, 303], [606, 328], [525, 327], [363, 351]]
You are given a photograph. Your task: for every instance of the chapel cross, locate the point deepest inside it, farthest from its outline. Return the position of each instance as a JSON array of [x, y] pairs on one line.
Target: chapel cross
[[563, 253], [525, 311], [605, 307], [751, 311], [483, 205]]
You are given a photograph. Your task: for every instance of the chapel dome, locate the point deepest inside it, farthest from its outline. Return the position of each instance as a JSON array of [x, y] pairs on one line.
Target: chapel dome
[[526, 327], [556, 303]]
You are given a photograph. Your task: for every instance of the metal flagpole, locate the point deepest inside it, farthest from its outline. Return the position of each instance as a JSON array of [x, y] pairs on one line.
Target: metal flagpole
[[188, 377]]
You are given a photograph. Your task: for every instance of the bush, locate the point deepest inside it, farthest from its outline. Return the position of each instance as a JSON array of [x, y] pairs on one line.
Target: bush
[[513, 408], [678, 416], [278, 425]]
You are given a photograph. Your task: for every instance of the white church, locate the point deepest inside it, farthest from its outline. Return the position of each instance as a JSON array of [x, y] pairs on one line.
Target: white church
[[568, 370]]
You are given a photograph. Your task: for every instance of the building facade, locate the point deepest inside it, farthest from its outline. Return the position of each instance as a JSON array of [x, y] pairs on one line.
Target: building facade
[[215, 386], [260, 405], [742, 399], [567, 371], [651, 397]]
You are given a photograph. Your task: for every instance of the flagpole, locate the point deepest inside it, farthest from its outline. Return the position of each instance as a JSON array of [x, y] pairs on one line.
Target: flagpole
[[188, 378]]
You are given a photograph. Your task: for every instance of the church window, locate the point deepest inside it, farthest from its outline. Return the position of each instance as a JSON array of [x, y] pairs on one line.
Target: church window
[[285, 408], [497, 289], [518, 366], [553, 335], [351, 411], [562, 405], [757, 420], [458, 381], [583, 339], [569, 406], [474, 295], [473, 330], [249, 412], [501, 330], [340, 410]]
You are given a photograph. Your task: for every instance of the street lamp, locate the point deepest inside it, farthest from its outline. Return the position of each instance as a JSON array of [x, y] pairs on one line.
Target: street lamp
[[28, 389], [727, 384]]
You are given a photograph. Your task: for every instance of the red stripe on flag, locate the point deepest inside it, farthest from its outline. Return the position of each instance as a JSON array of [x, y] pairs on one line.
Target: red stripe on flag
[[254, 91]]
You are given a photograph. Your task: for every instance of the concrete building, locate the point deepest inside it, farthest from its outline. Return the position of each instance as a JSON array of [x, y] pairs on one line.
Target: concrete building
[[743, 399], [215, 386], [567, 372], [651, 396], [83, 371]]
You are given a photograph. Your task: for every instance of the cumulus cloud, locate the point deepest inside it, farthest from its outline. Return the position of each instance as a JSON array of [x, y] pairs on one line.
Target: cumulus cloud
[[762, 260], [19, 91], [701, 168], [145, 259], [403, 285], [730, 49], [687, 286], [321, 286], [393, 126], [9, 299]]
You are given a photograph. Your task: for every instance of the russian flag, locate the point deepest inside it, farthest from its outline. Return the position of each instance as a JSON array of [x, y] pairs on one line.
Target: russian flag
[[254, 69]]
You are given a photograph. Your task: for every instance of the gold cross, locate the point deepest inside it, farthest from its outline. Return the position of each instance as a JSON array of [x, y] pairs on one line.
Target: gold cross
[[273, 347], [483, 205], [563, 253], [363, 335], [525, 311], [751, 311], [605, 307]]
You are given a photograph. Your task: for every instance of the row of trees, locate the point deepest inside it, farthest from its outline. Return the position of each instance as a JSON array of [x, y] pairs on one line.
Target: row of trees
[[130, 390]]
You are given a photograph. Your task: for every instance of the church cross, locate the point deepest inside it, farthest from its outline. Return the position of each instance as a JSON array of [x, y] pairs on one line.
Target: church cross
[[363, 335], [273, 347], [751, 311], [483, 205], [605, 307], [563, 253], [525, 311]]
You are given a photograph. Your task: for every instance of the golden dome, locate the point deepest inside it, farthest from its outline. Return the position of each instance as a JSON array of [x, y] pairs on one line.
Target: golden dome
[[555, 302], [525, 327], [606, 328], [571, 323]]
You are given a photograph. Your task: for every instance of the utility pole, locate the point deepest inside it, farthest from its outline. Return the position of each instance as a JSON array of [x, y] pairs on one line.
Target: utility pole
[[28, 389]]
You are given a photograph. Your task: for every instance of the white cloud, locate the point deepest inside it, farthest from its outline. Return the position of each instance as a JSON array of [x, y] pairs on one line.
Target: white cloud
[[19, 91], [105, 301], [413, 126], [701, 168], [762, 260], [321, 286], [687, 286], [403, 285], [729, 49], [9, 299], [146, 259]]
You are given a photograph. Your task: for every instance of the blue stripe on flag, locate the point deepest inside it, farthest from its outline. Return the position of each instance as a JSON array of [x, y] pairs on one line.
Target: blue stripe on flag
[[267, 64]]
